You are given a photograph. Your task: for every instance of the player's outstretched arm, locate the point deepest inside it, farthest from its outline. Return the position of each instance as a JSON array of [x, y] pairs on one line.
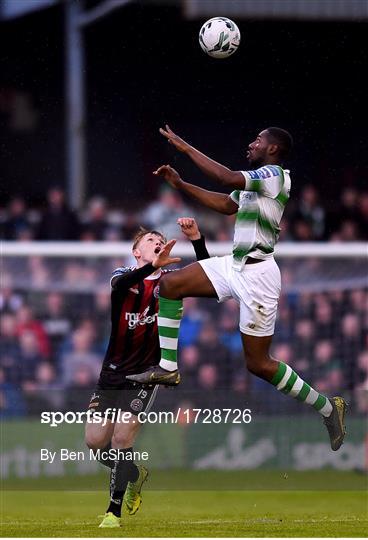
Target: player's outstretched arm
[[217, 201], [213, 169], [190, 229], [163, 257]]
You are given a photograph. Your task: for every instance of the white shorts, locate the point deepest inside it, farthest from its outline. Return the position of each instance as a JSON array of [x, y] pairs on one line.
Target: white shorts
[[256, 288]]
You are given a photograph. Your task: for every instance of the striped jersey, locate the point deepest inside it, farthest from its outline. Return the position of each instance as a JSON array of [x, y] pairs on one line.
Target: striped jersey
[[261, 205], [133, 345]]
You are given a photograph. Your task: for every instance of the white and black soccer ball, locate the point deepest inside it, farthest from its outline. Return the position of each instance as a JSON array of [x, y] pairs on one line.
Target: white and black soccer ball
[[219, 37]]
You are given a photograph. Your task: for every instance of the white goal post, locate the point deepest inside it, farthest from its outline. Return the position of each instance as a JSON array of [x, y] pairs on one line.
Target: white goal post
[[184, 249]]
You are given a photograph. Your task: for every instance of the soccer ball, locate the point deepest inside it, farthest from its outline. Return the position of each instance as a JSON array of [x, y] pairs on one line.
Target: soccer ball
[[219, 37]]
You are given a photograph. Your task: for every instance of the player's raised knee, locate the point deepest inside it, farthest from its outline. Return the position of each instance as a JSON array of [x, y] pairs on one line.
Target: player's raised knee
[[170, 285], [122, 440], [95, 440], [258, 365]]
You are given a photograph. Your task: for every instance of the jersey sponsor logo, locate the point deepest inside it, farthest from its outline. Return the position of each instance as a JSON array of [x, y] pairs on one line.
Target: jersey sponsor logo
[[140, 319], [254, 175], [274, 170], [136, 405], [264, 172]]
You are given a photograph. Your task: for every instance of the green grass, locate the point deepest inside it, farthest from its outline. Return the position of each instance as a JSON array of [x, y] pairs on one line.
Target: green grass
[[284, 512]]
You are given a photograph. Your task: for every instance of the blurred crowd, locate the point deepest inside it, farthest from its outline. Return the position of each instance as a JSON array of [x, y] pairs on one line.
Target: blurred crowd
[[55, 314], [54, 339], [308, 217]]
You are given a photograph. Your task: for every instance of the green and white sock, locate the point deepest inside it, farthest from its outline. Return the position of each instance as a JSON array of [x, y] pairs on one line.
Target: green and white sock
[[289, 382], [170, 313]]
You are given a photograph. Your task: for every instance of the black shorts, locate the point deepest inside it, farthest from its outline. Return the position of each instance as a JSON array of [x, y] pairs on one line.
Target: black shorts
[[132, 398]]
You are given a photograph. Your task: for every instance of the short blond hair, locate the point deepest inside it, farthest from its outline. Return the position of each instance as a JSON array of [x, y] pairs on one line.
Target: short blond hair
[[142, 232]]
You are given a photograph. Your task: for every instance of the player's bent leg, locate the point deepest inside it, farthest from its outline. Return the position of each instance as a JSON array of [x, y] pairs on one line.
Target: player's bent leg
[[98, 436], [286, 380], [99, 428], [124, 469], [189, 281], [257, 357], [134, 475]]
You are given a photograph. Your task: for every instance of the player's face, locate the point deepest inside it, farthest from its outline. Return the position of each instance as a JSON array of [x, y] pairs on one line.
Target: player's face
[[148, 248], [257, 150]]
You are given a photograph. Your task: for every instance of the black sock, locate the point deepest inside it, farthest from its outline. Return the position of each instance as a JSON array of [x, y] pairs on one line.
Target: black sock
[[124, 471]]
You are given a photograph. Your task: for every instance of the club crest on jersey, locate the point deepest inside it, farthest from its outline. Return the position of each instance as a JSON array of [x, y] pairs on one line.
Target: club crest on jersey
[[156, 291], [139, 319], [136, 405]]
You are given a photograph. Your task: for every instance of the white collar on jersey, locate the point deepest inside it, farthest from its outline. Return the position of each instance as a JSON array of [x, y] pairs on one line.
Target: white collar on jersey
[[153, 276]]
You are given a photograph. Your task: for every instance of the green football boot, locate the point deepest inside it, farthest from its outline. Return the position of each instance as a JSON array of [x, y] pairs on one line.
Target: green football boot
[[110, 521], [132, 496]]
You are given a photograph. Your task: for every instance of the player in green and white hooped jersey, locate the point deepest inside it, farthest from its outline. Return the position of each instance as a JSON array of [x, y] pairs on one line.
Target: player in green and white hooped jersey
[[250, 275]]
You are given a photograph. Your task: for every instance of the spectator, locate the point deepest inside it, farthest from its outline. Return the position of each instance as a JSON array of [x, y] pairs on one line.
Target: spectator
[[346, 207], [210, 347], [24, 372], [363, 215], [17, 225], [162, 214], [192, 322], [80, 388], [96, 223], [208, 377], [8, 332], [80, 356], [190, 362], [327, 373], [348, 232], [42, 393], [303, 344], [350, 346], [10, 301], [302, 231], [11, 399], [27, 323], [229, 332], [284, 324], [58, 222], [310, 213], [130, 225], [101, 311], [361, 389], [39, 271], [284, 353], [325, 323], [55, 320]]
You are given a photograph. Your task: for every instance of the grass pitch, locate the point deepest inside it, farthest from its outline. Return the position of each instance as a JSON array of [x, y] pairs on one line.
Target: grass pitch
[[284, 512]]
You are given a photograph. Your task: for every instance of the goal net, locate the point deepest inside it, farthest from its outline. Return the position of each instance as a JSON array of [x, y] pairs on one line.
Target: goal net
[[55, 325]]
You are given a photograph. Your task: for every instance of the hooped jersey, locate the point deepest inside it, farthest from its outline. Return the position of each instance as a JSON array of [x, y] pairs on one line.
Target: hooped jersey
[[261, 206]]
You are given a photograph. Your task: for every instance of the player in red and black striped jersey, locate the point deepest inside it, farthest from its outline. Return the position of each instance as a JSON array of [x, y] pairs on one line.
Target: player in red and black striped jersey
[[133, 346]]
